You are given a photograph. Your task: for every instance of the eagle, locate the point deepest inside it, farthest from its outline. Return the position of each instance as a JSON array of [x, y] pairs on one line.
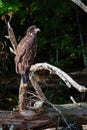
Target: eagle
[[26, 52]]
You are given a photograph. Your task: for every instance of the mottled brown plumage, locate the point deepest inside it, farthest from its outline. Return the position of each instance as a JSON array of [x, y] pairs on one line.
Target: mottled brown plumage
[[26, 51]]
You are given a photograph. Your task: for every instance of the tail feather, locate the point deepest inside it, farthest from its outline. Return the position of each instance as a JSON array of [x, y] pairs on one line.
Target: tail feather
[[25, 78]]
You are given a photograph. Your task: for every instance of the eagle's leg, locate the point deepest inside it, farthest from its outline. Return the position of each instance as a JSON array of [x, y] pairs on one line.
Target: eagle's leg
[[26, 75]]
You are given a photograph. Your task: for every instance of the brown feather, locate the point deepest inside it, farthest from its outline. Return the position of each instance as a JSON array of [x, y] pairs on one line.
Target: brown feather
[[25, 53]]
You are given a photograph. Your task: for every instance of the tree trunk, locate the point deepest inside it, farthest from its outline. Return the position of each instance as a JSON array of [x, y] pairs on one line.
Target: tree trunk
[[74, 113]]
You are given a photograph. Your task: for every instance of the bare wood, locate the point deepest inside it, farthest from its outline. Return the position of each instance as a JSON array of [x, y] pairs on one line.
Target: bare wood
[[29, 118], [54, 70], [23, 87], [76, 113], [37, 88], [12, 38], [80, 4], [22, 95], [84, 127]]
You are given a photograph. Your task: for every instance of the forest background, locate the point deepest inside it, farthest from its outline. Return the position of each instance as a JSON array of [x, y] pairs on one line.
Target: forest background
[[62, 41], [63, 38]]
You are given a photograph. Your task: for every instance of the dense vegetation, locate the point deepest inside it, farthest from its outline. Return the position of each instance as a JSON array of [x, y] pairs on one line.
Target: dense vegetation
[[61, 42]]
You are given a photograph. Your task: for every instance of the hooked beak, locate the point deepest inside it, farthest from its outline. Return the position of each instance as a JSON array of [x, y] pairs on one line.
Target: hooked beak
[[37, 30]]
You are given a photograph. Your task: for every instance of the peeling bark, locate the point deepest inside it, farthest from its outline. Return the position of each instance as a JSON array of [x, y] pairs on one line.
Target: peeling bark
[[74, 113], [22, 96]]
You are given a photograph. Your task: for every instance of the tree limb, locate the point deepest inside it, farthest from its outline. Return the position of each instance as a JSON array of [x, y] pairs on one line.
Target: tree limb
[[11, 36], [37, 88], [54, 70], [80, 4], [22, 95], [76, 113]]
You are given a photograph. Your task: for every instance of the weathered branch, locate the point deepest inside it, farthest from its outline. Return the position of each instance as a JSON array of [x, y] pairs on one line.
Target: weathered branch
[[22, 95], [76, 113], [37, 88], [54, 70], [23, 87], [80, 4], [11, 36]]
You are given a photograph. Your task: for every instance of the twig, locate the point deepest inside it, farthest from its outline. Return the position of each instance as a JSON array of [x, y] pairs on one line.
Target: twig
[[12, 50], [37, 88], [11, 35], [61, 114], [72, 99], [33, 94]]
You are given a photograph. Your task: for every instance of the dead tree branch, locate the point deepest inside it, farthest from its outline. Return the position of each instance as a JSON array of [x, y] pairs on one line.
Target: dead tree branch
[[37, 88], [54, 70], [22, 95], [23, 87], [76, 113], [11, 36], [80, 4], [65, 77], [41, 96]]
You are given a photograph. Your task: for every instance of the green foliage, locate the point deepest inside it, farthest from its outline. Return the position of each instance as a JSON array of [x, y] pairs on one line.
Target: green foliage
[[58, 42], [7, 6]]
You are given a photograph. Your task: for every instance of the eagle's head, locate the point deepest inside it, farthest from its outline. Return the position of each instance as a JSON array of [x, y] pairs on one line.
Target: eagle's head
[[32, 30]]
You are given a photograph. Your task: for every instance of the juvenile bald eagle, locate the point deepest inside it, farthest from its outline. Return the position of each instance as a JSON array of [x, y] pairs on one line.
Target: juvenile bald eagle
[[26, 52]]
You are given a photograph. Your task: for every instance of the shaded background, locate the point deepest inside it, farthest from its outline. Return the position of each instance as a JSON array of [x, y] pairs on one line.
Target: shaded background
[[62, 41], [63, 37]]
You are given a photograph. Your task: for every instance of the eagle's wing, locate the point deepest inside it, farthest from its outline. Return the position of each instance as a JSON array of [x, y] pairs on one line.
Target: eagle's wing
[[25, 54], [21, 49], [31, 48]]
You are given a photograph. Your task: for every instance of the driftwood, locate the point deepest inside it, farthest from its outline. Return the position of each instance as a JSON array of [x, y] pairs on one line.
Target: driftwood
[[74, 113], [54, 70], [45, 80], [22, 95], [11, 35], [12, 38], [37, 88]]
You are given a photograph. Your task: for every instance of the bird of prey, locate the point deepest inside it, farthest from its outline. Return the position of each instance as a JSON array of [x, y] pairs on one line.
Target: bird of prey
[[26, 52]]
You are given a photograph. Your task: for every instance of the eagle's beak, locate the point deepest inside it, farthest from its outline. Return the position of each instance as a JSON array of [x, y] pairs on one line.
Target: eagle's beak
[[37, 30]]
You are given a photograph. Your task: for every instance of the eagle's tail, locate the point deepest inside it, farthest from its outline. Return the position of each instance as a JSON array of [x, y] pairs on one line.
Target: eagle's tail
[[25, 78]]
